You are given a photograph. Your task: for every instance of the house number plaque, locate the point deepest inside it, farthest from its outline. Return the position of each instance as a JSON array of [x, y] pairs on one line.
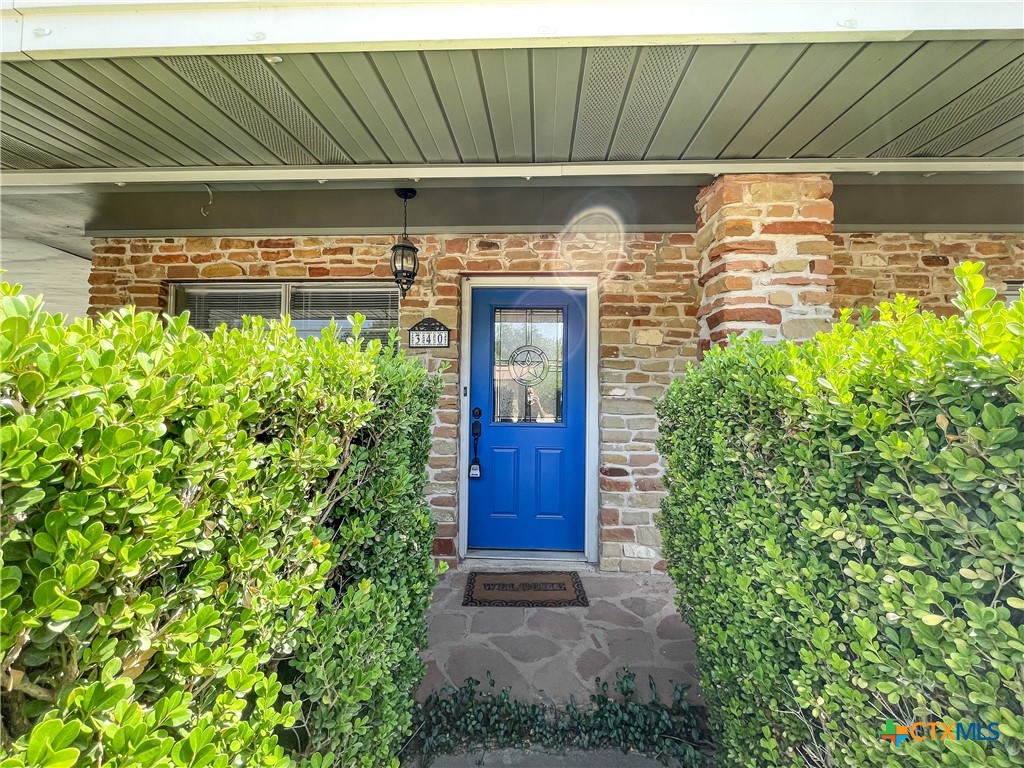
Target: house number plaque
[[428, 333]]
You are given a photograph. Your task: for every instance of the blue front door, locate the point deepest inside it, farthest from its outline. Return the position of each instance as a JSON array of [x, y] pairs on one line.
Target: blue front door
[[528, 419]]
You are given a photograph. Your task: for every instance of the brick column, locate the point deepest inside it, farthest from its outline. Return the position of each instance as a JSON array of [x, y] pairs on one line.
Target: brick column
[[765, 256]]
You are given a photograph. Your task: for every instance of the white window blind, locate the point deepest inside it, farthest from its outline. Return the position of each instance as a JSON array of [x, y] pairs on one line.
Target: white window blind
[[311, 306], [211, 306]]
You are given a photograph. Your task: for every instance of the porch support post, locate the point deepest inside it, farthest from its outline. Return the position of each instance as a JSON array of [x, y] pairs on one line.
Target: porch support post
[[765, 256]]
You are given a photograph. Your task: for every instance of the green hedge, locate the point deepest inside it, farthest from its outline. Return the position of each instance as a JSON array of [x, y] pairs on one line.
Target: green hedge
[[845, 527], [183, 515]]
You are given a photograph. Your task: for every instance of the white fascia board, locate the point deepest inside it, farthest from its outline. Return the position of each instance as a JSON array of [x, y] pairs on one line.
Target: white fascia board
[[57, 29], [403, 173]]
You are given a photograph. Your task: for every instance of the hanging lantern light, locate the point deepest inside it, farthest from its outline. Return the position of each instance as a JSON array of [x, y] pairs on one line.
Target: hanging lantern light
[[404, 264]]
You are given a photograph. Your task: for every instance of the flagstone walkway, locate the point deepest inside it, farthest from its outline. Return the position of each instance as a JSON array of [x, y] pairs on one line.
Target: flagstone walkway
[[547, 655]]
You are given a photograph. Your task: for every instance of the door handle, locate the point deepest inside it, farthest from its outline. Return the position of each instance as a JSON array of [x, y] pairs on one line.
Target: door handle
[[477, 429]]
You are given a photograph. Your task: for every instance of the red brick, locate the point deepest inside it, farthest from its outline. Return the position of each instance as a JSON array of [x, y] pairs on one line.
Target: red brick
[[444, 548], [483, 265], [854, 286], [742, 246], [745, 315], [618, 534], [275, 255], [986, 248], [348, 271], [339, 250], [449, 264], [821, 209], [931, 260], [170, 258], [182, 272], [740, 265], [276, 242], [456, 245], [101, 278], [912, 282], [822, 266], [319, 272]]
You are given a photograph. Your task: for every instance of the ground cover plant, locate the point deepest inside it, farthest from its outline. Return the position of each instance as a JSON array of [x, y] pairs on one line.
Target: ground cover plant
[[186, 516], [466, 719], [845, 527]]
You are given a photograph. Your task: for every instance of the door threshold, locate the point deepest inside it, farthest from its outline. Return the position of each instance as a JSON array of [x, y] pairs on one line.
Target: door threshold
[[525, 557]]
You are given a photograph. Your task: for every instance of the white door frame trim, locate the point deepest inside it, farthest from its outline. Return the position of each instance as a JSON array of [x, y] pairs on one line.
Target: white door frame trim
[[589, 282]]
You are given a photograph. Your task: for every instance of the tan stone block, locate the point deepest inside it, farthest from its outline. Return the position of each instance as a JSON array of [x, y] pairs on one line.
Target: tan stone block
[[291, 270], [652, 337], [200, 244], [790, 265], [805, 327], [221, 269], [780, 298]]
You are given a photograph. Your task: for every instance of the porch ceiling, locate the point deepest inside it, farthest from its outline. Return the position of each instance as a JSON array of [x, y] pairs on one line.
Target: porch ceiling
[[845, 101]]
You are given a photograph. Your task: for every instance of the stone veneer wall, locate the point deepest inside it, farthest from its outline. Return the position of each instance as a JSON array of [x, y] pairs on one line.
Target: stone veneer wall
[[648, 302], [871, 267], [764, 258]]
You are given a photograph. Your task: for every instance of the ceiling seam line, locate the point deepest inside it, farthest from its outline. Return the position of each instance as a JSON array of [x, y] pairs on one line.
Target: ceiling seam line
[[1000, 100], [394, 106], [813, 96], [260, 108], [767, 96], [76, 127], [96, 73], [893, 108], [1014, 119], [341, 95], [716, 102], [205, 99], [487, 104], [67, 130], [309, 116], [579, 102], [94, 104], [440, 105], [530, 85], [861, 98], [225, 150], [197, 99], [52, 142], [980, 83]]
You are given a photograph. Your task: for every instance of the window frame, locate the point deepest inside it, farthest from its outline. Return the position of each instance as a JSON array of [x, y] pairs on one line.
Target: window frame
[[1014, 291], [177, 303]]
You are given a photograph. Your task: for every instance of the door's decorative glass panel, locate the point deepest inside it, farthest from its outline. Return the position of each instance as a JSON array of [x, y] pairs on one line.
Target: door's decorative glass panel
[[528, 346]]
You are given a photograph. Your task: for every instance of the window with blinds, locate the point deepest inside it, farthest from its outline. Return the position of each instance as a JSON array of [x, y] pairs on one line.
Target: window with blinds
[[311, 306], [1014, 291]]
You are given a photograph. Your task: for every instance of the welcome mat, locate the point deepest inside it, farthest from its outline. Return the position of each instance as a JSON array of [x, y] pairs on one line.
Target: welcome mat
[[525, 589]]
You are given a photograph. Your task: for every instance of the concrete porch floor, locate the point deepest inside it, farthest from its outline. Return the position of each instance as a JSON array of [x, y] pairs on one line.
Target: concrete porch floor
[[547, 655]]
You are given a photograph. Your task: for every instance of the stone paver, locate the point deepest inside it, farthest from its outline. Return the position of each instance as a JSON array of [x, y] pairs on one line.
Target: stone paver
[[548, 655]]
